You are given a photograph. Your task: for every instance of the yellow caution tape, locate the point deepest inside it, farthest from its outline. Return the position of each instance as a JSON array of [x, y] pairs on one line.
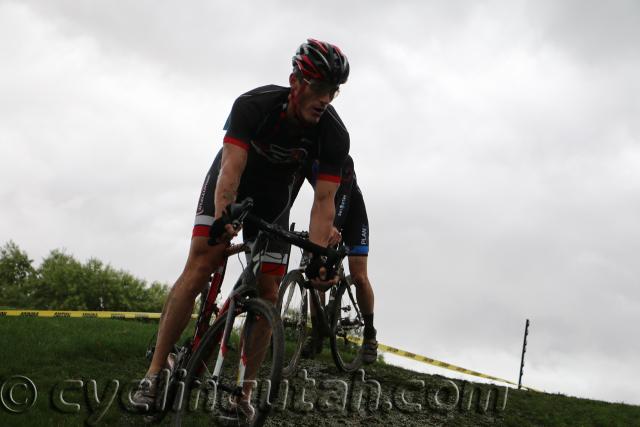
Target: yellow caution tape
[[81, 314], [438, 363], [141, 315]]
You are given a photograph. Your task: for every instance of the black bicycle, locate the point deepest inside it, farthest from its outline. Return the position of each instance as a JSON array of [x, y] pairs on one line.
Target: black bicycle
[[340, 319], [229, 373]]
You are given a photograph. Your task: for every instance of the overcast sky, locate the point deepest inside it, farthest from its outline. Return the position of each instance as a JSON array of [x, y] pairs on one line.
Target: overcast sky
[[497, 145]]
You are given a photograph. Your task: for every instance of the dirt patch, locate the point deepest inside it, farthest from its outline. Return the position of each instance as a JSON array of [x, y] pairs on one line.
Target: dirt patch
[[383, 395]]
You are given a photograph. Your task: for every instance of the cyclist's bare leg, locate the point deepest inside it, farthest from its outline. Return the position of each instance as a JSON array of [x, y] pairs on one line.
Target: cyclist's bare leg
[[259, 341], [364, 291], [179, 304], [314, 341], [364, 295]]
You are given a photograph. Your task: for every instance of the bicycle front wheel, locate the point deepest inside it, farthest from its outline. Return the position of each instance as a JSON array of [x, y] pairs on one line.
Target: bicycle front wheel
[[292, 306], [226, 384], [347, 328]]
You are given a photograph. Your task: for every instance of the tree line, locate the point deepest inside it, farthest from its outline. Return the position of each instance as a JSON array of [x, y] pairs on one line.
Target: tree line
[[61, 282]]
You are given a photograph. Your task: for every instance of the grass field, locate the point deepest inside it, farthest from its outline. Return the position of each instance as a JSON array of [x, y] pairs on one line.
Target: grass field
[[56, 353]]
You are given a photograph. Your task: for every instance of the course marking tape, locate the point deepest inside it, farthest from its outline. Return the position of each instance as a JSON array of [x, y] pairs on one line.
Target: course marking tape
[[142, 315], [81, 314], [438, 363]]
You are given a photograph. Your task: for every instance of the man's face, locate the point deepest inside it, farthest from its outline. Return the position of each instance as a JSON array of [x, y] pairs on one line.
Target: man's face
[[312, 99]]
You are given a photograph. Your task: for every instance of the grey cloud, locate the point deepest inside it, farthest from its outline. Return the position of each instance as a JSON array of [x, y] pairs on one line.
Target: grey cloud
[[499, 165], [597, 33]]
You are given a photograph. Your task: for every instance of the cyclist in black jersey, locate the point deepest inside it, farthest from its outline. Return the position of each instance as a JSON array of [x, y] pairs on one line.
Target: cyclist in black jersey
[[352, 225], [271, 131]]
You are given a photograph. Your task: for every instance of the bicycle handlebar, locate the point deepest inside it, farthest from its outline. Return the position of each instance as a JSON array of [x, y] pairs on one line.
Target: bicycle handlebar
[[235, 213], [297, 240]]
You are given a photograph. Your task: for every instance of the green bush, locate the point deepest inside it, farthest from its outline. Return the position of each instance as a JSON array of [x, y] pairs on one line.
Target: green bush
[[63, 283], [16, 273]]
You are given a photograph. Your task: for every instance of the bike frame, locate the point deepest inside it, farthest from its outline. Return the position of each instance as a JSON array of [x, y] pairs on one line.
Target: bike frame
[[208, 305], [325, 317], [246, 287]]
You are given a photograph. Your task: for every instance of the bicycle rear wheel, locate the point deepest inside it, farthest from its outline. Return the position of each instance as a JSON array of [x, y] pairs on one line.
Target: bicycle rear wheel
[[347, 328], [293, 306], [203, 397]]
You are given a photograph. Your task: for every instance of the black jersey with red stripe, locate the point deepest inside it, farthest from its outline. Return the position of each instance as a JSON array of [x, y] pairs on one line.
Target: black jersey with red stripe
[[276, 149]]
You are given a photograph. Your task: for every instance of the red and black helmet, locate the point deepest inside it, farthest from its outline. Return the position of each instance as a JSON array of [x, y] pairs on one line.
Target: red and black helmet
[[321, 61]]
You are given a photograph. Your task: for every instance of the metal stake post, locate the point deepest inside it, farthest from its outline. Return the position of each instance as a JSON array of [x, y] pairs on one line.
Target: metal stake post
[[524, 349]]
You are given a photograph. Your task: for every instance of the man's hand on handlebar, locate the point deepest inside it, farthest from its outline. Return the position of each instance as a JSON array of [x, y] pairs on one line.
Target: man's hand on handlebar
[[321, 276], [230, 231], [323, 285], [224, 228]]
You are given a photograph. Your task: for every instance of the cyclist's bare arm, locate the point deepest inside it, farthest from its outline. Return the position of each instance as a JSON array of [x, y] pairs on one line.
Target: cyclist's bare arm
[[322, 212], [234, 160]]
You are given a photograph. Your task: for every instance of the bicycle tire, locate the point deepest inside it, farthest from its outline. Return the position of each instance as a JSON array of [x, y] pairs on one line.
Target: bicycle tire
[[293, 309], [268, 378], [347, 328]]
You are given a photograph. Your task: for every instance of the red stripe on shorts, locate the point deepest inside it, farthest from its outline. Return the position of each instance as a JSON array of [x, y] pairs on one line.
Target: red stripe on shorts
[[201, 231], [273, 269]]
